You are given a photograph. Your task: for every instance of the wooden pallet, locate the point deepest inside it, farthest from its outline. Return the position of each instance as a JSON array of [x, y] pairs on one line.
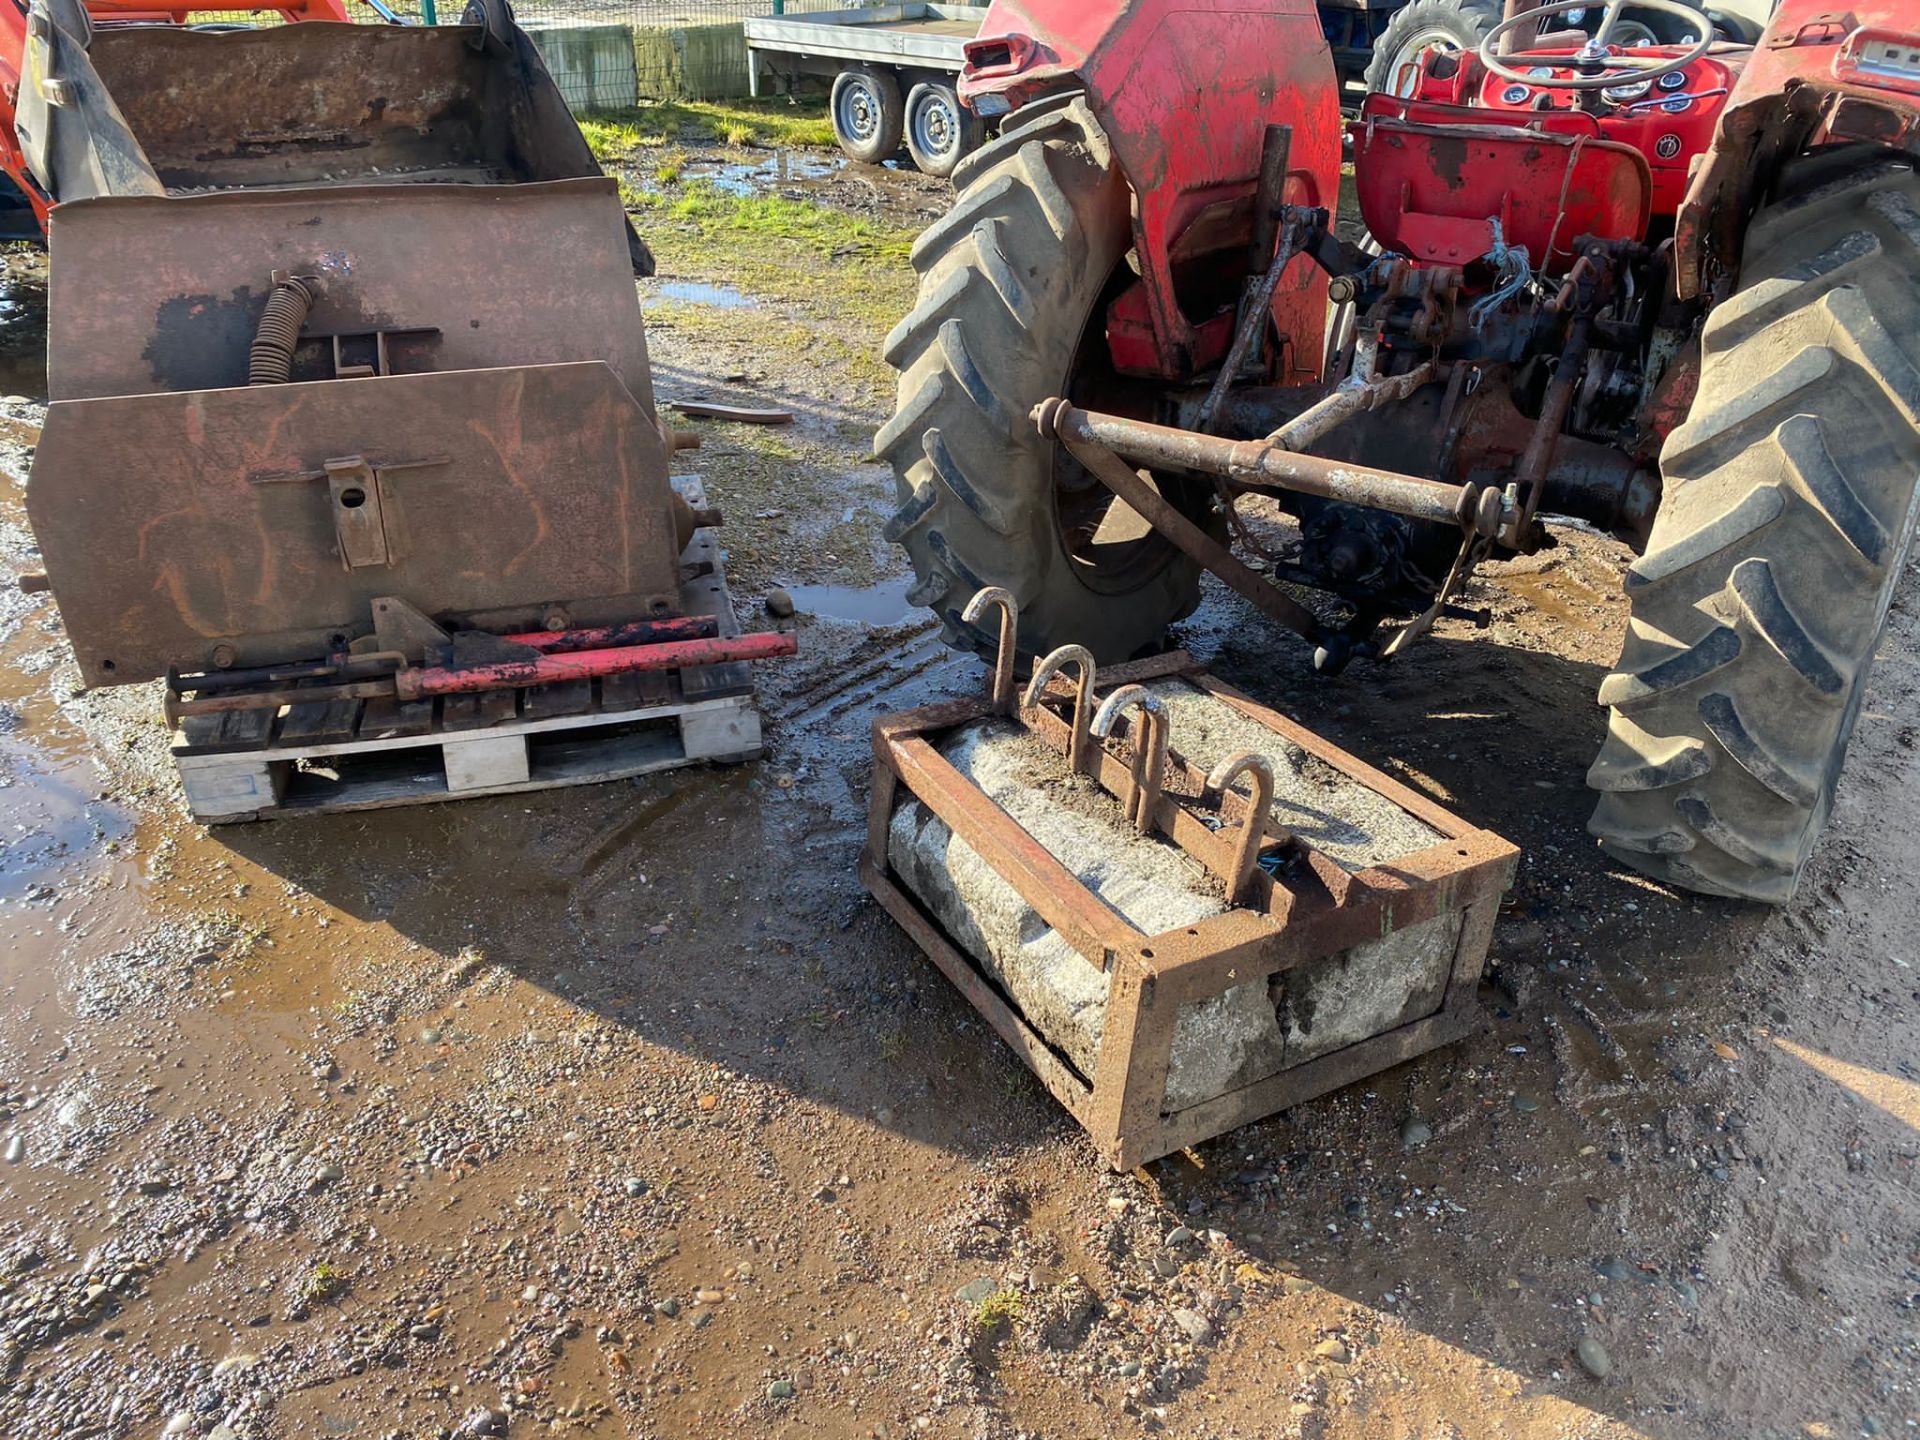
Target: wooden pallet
[[366, 755]]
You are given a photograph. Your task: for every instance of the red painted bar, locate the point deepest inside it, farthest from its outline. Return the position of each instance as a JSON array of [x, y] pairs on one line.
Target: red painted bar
[[413, 684], [633, 632]]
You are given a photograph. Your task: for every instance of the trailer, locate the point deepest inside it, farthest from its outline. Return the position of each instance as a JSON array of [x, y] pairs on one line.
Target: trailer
[[893, 70]]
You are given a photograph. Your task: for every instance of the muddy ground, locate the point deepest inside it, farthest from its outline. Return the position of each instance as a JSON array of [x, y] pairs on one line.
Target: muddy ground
[[622, 1111]]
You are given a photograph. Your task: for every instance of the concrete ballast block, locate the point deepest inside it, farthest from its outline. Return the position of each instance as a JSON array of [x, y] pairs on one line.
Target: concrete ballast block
[[1229, 1040]]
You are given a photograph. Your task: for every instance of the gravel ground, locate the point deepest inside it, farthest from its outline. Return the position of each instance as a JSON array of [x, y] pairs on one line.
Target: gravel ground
[[621, 1111]]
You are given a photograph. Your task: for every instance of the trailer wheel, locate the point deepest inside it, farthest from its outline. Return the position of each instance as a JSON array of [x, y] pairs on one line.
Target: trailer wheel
[[940, 130], [867, 114], [1787, 516], [1013, 284], [1426, 25]]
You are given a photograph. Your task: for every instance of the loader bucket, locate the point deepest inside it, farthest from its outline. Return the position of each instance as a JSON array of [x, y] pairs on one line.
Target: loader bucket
[[457, 414], [149, 110]]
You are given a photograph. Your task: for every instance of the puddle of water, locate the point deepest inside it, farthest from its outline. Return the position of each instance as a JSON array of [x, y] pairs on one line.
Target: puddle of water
[[748, 177], [23, 311], [67, 865], [879, 605], [698, 292], [53, 820], [50, 818]]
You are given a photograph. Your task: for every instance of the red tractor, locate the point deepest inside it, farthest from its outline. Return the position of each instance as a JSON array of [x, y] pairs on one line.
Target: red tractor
[[1672, 291]]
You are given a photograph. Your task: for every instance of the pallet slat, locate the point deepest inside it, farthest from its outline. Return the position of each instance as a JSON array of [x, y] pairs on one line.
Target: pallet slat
[[226, 733], [567, 697], [527, 755], [200, 732], [638, 688]]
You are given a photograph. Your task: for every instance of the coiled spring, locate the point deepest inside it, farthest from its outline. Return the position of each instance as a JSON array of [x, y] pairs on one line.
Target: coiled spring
[[270, 359]]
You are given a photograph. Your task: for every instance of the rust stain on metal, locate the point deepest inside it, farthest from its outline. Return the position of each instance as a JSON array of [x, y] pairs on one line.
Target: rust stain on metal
[[1449, 157], [152, 576]]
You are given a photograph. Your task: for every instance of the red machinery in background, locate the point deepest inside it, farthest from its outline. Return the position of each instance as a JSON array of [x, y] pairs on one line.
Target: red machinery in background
[[1668, 290], [1140, 74]]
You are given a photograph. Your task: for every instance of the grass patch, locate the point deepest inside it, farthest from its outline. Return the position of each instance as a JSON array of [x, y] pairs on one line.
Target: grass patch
[[836, 264], [611, 139], [820, 228], [1015, 1081], [847, 345], [997, 1312], [323, 1282], [847, 272], [239, 936], [739, 123], [771, 442]]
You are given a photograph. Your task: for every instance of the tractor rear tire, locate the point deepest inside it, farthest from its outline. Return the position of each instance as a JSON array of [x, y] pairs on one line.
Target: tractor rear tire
[[1788, 511], [1458, 25], [1010, 281]]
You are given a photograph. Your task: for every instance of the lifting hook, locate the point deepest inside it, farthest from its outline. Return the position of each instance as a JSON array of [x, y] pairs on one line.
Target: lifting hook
[[1149, 749]]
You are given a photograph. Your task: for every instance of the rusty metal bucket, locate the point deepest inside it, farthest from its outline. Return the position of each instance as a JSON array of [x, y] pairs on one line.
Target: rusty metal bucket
[[151, 110], [466, 420]]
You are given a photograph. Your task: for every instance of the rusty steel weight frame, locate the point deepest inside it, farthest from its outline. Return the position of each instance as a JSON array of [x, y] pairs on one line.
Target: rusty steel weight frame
[[1278, 925]]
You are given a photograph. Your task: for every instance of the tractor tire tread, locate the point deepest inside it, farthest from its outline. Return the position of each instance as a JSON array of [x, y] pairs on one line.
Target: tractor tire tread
[[1007, 280], [1789, 507]]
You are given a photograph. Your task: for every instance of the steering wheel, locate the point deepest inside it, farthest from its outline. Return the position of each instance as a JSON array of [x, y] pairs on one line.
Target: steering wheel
[[1599, 68]]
